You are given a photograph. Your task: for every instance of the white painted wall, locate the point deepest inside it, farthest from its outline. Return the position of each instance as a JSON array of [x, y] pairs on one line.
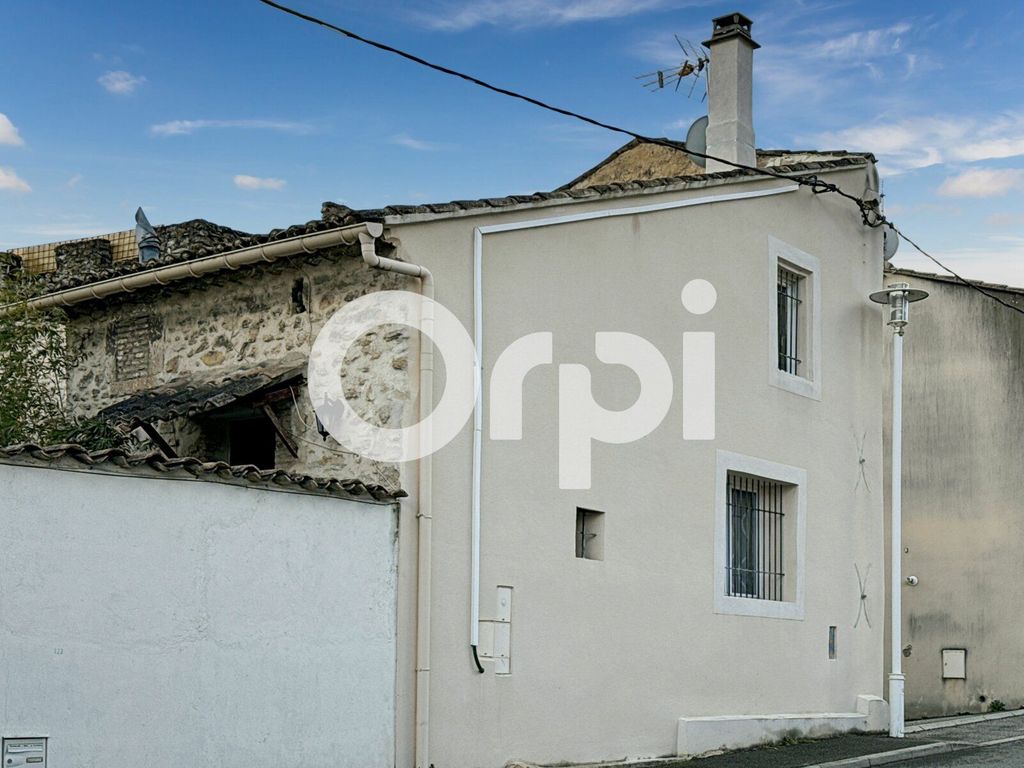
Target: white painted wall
[[147, 621]]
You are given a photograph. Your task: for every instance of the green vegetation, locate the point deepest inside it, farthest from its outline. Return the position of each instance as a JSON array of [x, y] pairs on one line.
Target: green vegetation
[[996, 706], [36, 356]]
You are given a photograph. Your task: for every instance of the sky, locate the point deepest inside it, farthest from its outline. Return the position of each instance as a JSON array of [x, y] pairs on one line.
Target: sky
[[231, 111]]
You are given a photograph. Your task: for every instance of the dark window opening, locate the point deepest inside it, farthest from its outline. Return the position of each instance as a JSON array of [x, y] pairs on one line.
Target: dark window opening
[[589, 534], [754, 517], [300, 296], [252, 441], [831, 642], [789, 321]]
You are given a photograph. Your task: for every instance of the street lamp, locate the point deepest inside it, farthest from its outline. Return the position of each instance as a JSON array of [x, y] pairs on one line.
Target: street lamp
[[899, 297]]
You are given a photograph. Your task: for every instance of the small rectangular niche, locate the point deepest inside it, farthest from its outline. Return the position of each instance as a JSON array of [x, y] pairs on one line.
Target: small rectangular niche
[[589, 534], [832, 642], [300, 296]]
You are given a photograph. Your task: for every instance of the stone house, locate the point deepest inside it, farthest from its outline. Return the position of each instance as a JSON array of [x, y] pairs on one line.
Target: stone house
[[700, 590], [213, 366]]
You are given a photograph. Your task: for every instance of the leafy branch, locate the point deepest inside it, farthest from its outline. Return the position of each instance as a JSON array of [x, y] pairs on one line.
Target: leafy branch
[[36, 358]]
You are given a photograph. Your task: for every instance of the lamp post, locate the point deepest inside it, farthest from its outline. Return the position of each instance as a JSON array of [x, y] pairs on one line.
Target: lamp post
[[899, 297]]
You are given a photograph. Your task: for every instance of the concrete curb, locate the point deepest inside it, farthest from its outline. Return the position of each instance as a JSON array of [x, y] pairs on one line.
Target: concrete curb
[[893, 756], [950, 722]]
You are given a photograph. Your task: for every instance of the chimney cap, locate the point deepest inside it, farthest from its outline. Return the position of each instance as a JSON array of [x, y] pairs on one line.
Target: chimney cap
[[731, 25]]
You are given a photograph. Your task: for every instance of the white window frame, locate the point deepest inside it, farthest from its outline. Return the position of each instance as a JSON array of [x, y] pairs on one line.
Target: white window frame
[[727, 462], [808, 383]]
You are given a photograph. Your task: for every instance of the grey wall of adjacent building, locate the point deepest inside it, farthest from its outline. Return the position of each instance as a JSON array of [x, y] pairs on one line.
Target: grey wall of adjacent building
[[963, 510], [166, 622]]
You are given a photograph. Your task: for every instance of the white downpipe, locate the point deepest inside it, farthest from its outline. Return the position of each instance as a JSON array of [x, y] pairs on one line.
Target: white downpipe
[[896, 678], [478, 431], [424, 502], [478, 337]]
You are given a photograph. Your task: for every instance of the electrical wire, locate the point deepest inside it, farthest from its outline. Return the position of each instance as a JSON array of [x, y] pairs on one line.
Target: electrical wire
[[969, 283], [870, 210]]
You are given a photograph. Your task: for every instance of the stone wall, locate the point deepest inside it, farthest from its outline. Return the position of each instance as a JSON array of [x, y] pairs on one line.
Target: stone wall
[[203, 331]]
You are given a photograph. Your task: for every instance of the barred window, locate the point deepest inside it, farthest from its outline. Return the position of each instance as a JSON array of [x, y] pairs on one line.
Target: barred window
[[789, 311], [754, 537]]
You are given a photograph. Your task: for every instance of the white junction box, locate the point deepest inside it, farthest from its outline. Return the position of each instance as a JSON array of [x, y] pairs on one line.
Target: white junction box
[[954, 663], [27, 751]]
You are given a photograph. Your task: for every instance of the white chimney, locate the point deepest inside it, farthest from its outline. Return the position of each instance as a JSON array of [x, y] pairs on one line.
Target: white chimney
[[730, 134]]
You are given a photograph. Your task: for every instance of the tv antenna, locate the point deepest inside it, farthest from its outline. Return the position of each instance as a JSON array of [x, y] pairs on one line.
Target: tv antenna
[[694, 65]]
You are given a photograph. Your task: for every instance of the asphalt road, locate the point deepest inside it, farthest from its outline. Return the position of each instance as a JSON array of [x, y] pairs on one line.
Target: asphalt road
[[994, 743], [1010, 755]]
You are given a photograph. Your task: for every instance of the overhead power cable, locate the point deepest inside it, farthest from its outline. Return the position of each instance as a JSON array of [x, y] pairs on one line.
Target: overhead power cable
[[970, 283], [869, 209]]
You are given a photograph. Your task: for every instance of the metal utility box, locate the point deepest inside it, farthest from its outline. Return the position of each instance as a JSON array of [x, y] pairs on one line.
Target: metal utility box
[[954, 664], [28, 751]]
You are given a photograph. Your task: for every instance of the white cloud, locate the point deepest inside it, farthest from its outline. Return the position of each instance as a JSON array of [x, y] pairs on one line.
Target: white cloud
[[803, 62], [255, 182], [999, 260], [982, 182], [8, 133], [11, 182], [73, 181], [916, 142], [419, 145], [1005, 220], [466, 14], [185, 127], [863, 44], [120, 82]]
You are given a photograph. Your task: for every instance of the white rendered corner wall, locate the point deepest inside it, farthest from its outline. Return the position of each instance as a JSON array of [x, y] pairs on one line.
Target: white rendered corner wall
[[161, 622]]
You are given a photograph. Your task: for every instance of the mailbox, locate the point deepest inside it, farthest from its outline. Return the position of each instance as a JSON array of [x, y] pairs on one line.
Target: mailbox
[[29, 751]]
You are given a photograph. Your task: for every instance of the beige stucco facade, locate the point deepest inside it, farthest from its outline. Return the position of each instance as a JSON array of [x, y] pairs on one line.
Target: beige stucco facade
[[963, 533], [606, 656]]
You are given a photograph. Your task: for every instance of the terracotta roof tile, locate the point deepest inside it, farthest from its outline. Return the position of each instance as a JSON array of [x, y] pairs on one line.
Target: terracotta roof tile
[[188, 396], [891, 270], [198, 238], [202, 470]]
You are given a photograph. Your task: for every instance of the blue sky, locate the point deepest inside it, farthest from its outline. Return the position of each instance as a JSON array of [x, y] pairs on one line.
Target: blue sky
[[233, 112]]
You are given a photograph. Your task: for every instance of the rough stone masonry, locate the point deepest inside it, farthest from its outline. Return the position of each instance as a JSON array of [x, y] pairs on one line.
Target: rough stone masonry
[[222, 326]]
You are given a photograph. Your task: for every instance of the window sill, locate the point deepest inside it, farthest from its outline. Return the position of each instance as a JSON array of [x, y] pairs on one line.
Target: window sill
[[766, 609], [798, 385]]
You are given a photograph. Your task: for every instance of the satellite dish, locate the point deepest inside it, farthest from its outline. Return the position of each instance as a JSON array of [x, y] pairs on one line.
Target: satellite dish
[[890, 242], [697, 140]]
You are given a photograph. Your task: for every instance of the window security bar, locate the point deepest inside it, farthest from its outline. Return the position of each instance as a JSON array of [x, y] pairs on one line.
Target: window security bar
[[754, 562], [789, 320]]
